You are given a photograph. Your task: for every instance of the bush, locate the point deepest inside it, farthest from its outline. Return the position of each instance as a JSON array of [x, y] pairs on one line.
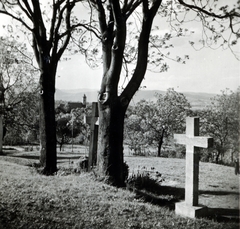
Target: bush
[[145, 180]]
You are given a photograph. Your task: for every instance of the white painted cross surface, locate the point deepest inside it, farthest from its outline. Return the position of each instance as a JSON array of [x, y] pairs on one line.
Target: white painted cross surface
[[193, 142]]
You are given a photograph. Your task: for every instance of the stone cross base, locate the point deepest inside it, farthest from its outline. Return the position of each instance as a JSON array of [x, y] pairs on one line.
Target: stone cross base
[[183, 209]]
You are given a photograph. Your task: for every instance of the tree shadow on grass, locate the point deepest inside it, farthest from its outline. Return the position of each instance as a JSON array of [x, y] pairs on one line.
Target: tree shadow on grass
[[33, 160], [167, 196], [217, 193], [224, 214], [221, 214], [36, 157], [164, 196], [29, 157]]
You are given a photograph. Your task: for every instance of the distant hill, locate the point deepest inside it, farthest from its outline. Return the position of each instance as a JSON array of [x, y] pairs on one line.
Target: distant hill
[[197, 100], [76, 95]]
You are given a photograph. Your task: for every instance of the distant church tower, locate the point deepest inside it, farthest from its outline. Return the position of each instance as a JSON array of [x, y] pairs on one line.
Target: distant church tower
[[84, 100]]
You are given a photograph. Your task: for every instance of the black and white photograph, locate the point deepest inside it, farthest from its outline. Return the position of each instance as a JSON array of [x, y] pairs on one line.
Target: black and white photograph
[[119, 114]]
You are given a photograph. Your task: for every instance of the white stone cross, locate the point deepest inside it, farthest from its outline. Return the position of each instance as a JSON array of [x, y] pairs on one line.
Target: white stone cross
[[193, 142]]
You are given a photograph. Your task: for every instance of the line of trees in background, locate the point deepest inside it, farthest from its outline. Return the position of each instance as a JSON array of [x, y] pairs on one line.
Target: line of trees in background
[[70, 124], [150, 126]]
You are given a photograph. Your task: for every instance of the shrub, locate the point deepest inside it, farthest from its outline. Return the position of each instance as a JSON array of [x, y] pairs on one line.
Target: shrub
[[145, 180]]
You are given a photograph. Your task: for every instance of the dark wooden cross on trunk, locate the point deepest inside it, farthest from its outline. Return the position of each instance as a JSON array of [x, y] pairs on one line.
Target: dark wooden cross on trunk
[[1, 114], [93, 122]]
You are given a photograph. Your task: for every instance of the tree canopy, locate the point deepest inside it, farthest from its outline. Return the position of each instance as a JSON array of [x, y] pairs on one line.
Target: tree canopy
[[18, 84], [221, 121], [154, 123]]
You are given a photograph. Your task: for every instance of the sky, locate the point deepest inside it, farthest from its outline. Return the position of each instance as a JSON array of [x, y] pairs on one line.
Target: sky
[[207, 70]]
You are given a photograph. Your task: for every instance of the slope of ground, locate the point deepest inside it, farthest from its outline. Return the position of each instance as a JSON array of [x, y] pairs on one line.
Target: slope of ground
[[29, 200]]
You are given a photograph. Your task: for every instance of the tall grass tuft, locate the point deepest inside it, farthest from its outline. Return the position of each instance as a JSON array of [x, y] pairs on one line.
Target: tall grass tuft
[[144, 179]]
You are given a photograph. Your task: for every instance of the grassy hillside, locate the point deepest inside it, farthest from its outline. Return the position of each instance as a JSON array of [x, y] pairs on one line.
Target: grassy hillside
[[29, 200]]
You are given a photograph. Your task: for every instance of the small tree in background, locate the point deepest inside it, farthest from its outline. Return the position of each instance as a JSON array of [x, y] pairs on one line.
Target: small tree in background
[[134, 135], [63, 129], [70, 124], [159, 120], [22, 119], [221, 121], [18, 83]]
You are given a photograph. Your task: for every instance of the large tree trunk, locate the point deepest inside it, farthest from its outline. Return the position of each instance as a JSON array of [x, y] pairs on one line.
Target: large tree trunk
[[110, 144], [48, 153], [112, 107]]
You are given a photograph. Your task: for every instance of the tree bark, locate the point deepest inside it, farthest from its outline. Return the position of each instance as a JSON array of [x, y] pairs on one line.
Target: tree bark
[[110, 144], [112, 108], [160, 143], [160, 146], [48, 152]]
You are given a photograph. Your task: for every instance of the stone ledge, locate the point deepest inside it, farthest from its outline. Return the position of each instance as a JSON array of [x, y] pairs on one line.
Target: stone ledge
[[183, 209]]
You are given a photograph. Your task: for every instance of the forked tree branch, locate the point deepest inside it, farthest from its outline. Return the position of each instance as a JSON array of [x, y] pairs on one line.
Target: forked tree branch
[[200, 9], [230, 15]]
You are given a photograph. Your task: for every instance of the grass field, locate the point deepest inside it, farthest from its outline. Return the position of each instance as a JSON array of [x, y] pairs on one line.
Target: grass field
[[30, 200]]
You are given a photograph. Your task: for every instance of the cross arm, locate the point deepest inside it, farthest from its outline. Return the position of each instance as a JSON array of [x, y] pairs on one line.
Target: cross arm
[[201, 142]]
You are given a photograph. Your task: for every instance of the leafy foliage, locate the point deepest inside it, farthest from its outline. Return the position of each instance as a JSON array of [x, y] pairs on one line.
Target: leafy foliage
[[22, 120], [221, 121], [70, 124], [19, 85], [152, 122], [17, 74]]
